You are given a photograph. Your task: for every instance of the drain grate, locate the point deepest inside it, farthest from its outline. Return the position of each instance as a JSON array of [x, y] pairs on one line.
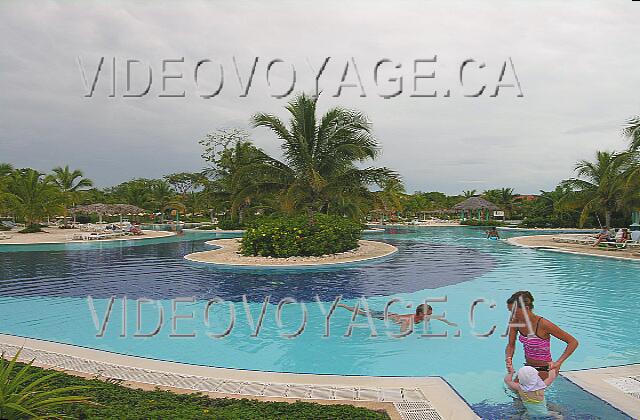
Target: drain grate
[[628, 385], [417, 411]]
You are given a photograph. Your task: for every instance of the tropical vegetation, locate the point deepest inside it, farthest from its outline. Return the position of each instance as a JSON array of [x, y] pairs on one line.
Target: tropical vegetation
[[27, 392]]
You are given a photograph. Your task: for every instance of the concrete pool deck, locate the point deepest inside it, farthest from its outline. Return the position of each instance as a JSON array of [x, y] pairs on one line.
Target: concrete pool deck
[[62, 236], [619, 386], [228, 254], [547, 243], [402, 397]]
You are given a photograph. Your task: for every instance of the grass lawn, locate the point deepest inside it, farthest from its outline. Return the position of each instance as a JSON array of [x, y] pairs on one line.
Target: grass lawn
[[114, 401]]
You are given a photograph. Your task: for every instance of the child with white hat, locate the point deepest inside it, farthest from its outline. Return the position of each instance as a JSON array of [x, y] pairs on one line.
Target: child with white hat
[[531, 388]]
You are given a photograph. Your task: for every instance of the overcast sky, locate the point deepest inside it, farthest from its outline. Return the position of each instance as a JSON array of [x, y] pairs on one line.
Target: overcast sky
[[576, 62]]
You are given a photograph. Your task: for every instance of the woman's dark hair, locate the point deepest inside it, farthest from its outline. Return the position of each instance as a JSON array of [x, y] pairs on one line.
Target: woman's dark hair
[[527, 299]]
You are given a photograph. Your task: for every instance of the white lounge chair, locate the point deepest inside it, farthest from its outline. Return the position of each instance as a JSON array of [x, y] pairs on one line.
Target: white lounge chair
[[5, 236]]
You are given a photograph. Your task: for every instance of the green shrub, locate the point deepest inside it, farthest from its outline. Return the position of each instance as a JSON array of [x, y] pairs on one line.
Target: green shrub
[[31, 229], [539, 222], [207, 227], [228, 224], [474, 222], [283, 237]]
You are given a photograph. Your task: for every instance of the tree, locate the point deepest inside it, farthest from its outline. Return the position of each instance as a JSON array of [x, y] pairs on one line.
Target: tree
[[599, 186], [137, 192], [5, 177], [69, 183], [236, 178], [469, 193], [35, 196], [163, 198], [632, 132], [185, 183], [320, 171], [215, 143], [503, 198], [391, 196]]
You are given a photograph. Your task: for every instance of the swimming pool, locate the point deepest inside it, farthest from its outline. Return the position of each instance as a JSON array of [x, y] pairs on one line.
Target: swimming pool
[[43, 294]]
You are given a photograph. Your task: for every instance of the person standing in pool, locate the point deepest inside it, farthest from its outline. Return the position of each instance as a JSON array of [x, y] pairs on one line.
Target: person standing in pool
[[493, 233], [423, 313], [535, 335]]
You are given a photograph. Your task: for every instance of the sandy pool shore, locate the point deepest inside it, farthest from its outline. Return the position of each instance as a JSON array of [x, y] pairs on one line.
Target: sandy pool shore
[[57, 236], [548, 242]]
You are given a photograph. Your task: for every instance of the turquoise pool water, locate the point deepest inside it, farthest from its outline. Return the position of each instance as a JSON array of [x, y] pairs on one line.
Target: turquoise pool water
[[43, 294]]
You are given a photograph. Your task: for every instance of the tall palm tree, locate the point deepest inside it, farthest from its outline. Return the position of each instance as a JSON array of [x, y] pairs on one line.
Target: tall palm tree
[[599, 186], [34, 194], [70, 183], [321, 152]]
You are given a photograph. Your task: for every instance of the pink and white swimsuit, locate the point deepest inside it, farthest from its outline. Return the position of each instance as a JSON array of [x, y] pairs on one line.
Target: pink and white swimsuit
[[536, 348]]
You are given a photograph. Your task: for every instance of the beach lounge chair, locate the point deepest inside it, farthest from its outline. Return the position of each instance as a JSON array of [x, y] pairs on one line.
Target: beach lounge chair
[[4, 236], [9, 224]]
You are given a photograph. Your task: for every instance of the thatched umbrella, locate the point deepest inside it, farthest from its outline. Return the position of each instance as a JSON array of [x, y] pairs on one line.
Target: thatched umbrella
[[102, 209], [475, 204]]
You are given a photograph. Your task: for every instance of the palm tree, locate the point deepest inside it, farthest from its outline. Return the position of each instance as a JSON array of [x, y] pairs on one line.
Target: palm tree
[[70, 183], [391, 195], [631, 193], [321, 153], [469, 193], [137, 192], [163, 198], [237, 178], [504, 198], [632, 132], [5, 177], [599, 186], [34, 194]]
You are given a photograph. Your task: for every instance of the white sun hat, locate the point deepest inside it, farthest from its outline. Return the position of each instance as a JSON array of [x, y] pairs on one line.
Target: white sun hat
[[529, 379]]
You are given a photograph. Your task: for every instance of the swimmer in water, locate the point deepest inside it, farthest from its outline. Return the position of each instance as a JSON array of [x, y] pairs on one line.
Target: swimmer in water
[[423, 313]]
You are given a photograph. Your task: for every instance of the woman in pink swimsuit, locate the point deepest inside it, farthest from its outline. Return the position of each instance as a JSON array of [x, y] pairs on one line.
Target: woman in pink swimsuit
[[535, 336]]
